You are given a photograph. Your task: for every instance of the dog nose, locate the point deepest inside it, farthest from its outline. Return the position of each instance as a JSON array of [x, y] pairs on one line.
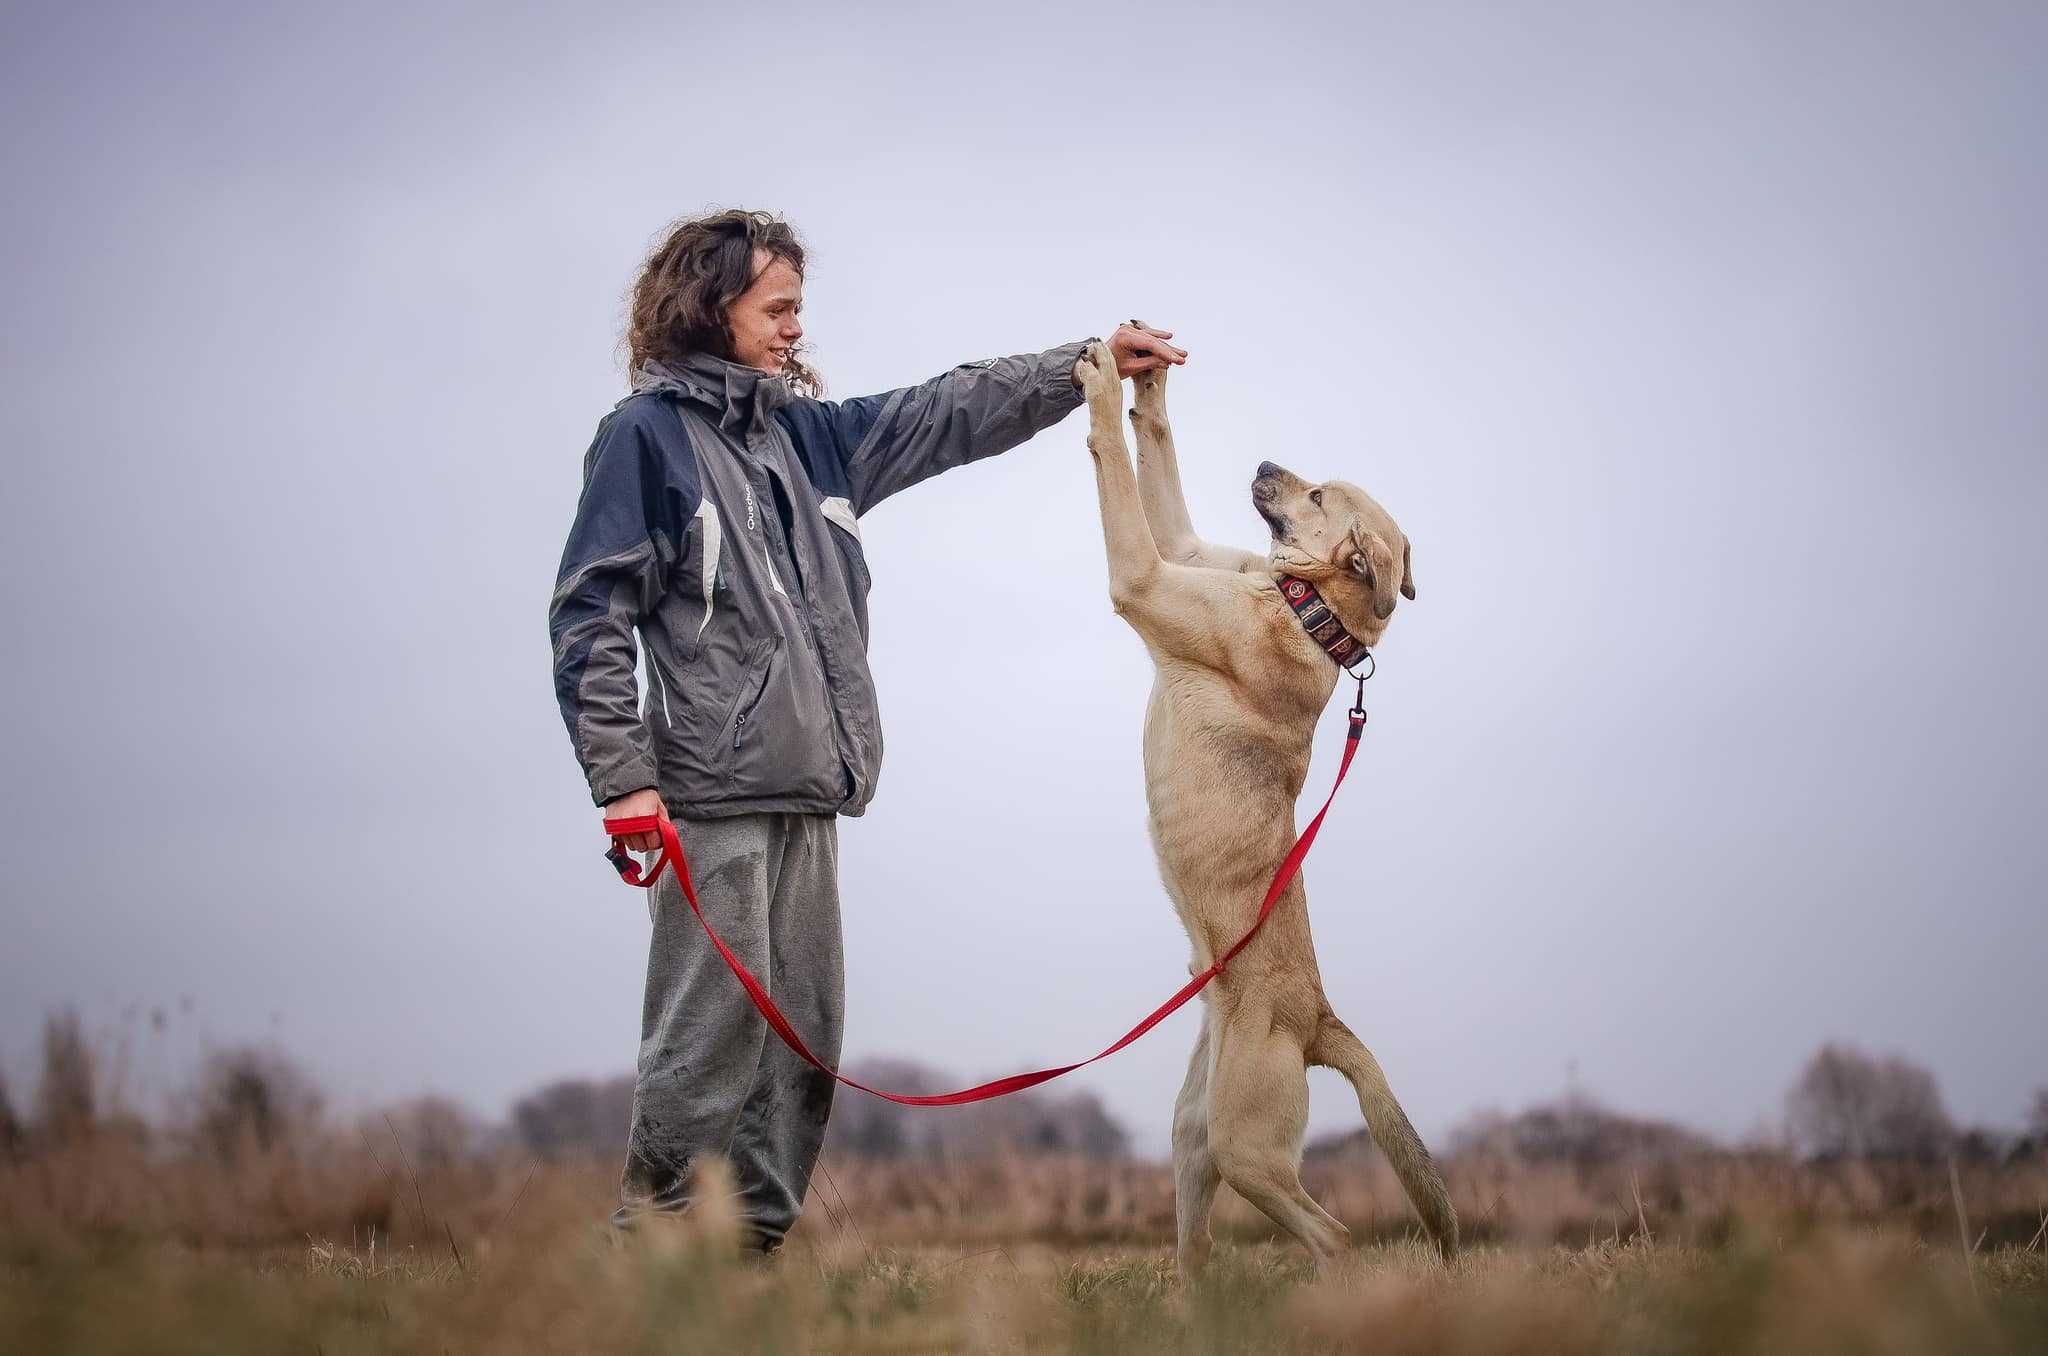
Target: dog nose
[[1267, 468]]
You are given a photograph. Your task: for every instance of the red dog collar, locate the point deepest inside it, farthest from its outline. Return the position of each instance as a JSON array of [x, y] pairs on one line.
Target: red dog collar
[[1320, 622]]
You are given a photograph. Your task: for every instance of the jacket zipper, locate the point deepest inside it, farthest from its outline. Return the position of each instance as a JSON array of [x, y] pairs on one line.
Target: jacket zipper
[[739, 724], [801, 602], [660, 686]]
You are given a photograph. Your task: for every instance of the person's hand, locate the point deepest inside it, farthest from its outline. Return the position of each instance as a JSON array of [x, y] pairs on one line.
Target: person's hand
[[632, 805], [1140, 348]]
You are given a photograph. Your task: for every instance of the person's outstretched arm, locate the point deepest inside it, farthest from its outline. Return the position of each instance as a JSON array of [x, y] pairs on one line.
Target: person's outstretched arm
[[892, 441]]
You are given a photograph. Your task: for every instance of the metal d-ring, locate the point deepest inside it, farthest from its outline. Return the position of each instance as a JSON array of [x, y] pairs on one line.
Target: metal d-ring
[[1358, 703]]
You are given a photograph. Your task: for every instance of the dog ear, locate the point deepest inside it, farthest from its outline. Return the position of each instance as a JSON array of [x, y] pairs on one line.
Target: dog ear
[[1372, 560], [1354, 556], [1407, 570]]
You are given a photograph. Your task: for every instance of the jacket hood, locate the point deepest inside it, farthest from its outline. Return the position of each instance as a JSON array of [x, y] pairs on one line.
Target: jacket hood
[[743, 397]]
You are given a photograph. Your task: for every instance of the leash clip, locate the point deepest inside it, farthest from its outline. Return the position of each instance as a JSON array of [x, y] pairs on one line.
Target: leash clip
[[1358, 704]]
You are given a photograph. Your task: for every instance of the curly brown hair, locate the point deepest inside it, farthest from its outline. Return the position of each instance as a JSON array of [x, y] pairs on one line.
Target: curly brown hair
[[701, 265]]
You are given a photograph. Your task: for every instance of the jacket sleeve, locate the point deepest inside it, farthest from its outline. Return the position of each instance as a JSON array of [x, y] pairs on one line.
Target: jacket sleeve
[[626, 535], [890, 442]]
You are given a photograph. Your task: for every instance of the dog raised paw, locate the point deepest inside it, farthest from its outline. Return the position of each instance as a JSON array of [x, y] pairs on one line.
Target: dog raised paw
[[1148, 389], [1095, 373]]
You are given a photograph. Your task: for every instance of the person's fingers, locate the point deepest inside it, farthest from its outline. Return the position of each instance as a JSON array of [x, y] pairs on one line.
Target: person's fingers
[[1143, 336], [1140, 348], [1153, 331]]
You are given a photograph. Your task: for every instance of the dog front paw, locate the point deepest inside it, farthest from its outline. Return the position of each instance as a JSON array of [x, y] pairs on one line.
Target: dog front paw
[[1095, 374]]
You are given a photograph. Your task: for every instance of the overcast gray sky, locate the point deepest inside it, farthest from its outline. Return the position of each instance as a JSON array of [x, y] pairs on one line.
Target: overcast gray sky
[[1699, 349]]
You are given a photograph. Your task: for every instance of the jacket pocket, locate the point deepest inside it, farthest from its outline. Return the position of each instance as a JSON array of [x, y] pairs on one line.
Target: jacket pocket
[[746, 703], [845, 533], [856, 562], [853, 560]]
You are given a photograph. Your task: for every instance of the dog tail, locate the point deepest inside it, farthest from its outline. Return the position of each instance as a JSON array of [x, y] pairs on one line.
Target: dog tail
[[1334, 1047]]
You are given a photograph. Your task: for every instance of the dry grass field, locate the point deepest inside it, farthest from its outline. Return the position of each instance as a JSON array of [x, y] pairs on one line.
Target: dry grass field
[[359, 1242]]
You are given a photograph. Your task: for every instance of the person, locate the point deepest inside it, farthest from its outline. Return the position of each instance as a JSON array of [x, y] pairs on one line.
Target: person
[[720, 520]]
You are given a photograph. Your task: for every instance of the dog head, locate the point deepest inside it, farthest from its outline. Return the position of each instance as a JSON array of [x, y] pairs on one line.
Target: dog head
[[1337, 537]]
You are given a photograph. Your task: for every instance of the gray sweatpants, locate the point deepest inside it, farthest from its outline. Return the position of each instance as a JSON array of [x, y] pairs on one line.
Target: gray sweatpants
[[713, 1079]]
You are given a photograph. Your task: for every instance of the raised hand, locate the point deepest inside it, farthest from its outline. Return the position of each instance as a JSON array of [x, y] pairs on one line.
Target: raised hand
[[1139, 347]]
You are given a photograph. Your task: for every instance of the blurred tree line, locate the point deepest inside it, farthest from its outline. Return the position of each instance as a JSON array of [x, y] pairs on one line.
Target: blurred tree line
[[590, 1116], [1844, 1104]]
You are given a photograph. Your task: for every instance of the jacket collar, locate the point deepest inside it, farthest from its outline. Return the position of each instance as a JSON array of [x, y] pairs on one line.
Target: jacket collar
[[1319, 621], [740, 396]]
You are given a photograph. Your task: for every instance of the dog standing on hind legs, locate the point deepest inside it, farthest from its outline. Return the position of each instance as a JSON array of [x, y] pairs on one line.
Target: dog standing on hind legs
[[1238, 686]]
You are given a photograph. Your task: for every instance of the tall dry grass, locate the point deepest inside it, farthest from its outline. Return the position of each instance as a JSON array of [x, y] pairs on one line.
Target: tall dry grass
[[249, 1222], [407, 1186], [359, 1241]]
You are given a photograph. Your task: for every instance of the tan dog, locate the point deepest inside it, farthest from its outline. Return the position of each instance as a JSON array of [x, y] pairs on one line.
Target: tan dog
[[1238, 689]]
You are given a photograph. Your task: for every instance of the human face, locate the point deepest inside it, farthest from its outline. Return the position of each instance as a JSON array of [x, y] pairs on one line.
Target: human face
[[764, 320]]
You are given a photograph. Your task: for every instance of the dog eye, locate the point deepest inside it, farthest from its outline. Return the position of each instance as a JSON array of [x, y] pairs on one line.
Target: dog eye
[[1316, 497]]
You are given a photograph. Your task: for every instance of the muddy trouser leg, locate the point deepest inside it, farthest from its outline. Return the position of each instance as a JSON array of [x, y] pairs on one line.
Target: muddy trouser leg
[[775, 1149], [768, 883], [700, 1040]]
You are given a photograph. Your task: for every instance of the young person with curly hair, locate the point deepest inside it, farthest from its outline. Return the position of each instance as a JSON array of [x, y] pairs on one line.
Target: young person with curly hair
[[720, 522]]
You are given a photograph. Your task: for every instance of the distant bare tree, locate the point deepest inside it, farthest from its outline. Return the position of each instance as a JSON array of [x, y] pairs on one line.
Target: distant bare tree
[[1986, 1144], [868, 1127], [253, 1097], [576, 1116], [64, 1099], [1026, 1123], [10, 1124], [1846, 1104], [1573, 1129], [435, 1131], [1074, 1124], [2035, 1141]]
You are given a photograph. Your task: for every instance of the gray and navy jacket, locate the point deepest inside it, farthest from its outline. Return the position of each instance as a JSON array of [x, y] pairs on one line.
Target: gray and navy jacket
[[720, 518]]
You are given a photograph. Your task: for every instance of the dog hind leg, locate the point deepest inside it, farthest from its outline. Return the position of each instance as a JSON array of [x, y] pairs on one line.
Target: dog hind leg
[[1334, 1047], [1258, 1110]]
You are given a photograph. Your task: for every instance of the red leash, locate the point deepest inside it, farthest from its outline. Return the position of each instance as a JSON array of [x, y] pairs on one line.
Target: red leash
[[672, 854]]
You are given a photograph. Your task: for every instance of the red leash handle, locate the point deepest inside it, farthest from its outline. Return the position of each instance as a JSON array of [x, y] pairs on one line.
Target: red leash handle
[[672, 854]]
